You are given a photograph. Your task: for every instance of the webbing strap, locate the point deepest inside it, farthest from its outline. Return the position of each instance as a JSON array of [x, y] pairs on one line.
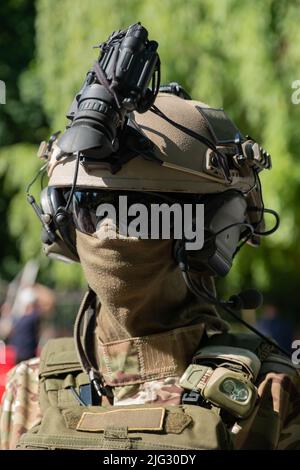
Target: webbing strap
[[87, 302], [88, 307]]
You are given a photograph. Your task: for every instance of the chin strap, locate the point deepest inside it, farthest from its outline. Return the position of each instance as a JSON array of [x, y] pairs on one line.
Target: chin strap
[[84, 343]]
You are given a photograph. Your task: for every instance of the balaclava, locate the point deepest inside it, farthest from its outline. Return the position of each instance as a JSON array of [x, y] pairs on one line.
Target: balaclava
[[149, 324]]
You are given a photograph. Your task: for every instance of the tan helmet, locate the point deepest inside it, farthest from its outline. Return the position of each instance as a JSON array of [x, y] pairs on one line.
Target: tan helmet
[[184, 164]]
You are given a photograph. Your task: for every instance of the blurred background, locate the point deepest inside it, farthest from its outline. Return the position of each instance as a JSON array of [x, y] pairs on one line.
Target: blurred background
[[243, 56]]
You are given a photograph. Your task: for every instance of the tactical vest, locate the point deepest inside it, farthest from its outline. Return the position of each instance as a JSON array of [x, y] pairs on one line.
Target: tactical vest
[[66, 424], [73, 419]]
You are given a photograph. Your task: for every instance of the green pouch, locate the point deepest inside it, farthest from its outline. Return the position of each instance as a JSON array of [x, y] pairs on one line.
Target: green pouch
[[60, 371]]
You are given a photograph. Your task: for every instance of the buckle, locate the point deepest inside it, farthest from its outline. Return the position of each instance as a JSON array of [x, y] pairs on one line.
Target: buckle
[[192, 397]]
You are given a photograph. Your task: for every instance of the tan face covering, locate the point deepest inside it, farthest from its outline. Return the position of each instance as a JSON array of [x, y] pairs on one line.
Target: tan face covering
[[149, 323]]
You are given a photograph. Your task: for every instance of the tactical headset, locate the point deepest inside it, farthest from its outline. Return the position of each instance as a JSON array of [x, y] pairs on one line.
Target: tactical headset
[[226, 223], [58, 232]]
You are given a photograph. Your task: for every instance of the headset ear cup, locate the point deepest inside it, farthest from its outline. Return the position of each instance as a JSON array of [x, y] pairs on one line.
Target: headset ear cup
[[53, 203], [224, 215], [57, 200]]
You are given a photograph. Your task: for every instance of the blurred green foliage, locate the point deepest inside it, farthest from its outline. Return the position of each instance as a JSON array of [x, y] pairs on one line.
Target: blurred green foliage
[[242, 56], [22, 121]]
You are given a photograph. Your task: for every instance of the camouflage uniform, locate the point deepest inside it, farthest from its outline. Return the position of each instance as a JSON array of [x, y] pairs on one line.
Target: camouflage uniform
[[20, 407]]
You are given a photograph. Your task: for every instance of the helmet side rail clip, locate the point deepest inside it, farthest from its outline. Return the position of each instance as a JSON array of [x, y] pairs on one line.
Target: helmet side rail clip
[[243, 152], [250, 152]]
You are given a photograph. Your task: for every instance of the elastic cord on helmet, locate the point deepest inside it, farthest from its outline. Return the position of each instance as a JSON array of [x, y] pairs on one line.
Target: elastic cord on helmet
[[39, 172], [262, 210], [74, 183], [242, 243], [266, 211], [201, 138]]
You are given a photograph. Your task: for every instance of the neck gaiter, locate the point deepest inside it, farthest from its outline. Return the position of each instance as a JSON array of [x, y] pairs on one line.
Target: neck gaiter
[[149, 324]]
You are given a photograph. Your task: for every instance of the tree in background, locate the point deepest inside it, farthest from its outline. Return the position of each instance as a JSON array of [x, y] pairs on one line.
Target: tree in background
[[242, 56], [22, 123]]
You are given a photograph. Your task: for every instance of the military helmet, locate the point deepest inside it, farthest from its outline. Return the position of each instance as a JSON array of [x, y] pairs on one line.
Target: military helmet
[[182, 163], [195, 149]]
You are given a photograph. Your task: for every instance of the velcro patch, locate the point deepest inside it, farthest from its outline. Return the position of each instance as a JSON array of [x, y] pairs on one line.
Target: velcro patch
[[135, 419], [222, 129]]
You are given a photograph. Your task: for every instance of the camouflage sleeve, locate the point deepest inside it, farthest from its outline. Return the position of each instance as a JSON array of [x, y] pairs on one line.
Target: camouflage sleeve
[[19, 409], [275, 421]]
